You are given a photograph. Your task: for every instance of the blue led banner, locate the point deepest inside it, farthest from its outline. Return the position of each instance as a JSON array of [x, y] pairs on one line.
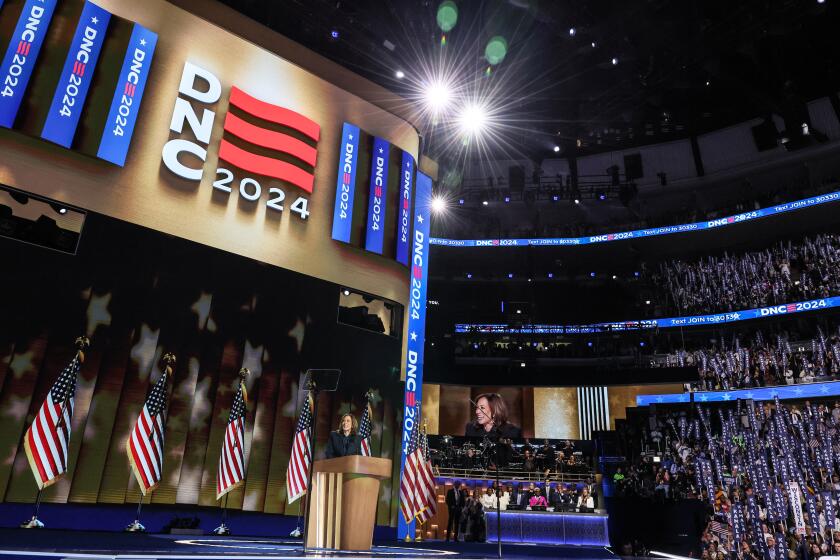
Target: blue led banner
[[76, 77], [21, 56], [378, 196], [670, 322], [639, 233], [128, 94], [345, 188], [419, 275], [404, 204], [798, 391]]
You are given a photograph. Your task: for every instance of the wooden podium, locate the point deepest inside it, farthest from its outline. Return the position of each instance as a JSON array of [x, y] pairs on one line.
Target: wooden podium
[[345, 491]]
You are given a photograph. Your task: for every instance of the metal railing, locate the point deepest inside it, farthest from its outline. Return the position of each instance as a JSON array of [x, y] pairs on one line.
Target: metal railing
[[513, 475]]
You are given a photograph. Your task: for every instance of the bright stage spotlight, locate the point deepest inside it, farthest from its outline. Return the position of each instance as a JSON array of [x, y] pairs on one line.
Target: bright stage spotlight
[[437, 95], [438, 205], [399, 74], [473, 119], [556, 149]]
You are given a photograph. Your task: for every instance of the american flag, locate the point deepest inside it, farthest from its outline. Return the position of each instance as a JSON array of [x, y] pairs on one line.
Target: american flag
[[417, 487], [232, 460], [145, 444], [47, 438], [365, 428], [297, 475], [429, 496]]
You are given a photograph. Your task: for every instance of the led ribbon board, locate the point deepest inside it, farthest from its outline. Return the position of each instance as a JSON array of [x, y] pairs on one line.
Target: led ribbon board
[[345, 188], [404, 217], [76, 76], [800, 391], [374, 235], [670, 322], [640, 233], [125, 104], [21, 56], [418, 284]]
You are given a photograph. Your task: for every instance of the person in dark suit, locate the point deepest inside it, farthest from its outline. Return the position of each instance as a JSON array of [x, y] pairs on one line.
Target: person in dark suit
[[491, 419], [456, 498], [345, 440]]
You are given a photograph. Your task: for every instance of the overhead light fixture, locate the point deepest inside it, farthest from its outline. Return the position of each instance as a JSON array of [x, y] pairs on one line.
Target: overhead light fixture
[[437, 96], [346, 292], [577, 201], [572, 31], [614, 60], [556, 149], [521, 364], [647, 302], [484, 203], [473, 119], [334, 34], [438, 205], [399, 74]]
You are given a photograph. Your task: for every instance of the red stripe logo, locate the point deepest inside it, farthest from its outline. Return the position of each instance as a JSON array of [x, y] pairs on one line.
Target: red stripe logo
[[278, 141]]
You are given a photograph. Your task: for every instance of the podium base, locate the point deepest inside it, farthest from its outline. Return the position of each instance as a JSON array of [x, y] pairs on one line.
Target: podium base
[[135, 527], [222, 530], [33, 523]]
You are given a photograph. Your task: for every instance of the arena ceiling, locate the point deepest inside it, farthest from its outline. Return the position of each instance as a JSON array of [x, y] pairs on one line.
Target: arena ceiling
[[681, 66]]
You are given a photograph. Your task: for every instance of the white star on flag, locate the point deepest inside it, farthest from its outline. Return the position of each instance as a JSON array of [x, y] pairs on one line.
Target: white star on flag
[[413, 335]]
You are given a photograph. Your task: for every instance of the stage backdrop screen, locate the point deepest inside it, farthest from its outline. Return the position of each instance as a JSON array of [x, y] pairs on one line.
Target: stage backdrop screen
[[137, 294]]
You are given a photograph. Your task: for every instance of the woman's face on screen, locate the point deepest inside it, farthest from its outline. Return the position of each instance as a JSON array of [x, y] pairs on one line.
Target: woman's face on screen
[[482, 411], [346, 424]]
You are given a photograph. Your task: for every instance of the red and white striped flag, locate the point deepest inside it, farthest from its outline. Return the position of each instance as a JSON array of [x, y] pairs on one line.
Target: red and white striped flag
[[428, 496], [297, 475], [366, 427], [145, 444], [47, 439], [417, 487], [232, 460]]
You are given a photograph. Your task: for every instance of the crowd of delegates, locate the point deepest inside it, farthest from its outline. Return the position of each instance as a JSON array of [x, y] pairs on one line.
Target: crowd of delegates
[[764, 361], [769, 473], [466, 506], [784, 273]]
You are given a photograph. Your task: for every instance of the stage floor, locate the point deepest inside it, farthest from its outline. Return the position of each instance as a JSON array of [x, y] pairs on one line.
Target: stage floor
[[55, 544]]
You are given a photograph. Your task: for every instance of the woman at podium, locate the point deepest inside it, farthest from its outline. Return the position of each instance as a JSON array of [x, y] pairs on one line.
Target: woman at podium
[[345, 440]]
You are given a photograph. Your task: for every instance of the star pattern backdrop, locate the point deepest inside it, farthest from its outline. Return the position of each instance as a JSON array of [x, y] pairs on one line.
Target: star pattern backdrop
[[138, 293]]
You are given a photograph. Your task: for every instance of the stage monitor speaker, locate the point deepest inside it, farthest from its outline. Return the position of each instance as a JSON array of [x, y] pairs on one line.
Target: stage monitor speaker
[[765, 135], [633, 167], [516, 178]]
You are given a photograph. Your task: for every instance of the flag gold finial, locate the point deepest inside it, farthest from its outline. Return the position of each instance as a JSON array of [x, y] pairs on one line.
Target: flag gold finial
[[244, 373], [169, 361], [82, 343]]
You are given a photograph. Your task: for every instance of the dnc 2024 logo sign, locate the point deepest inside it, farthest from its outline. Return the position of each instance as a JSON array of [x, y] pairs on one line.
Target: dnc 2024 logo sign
[[259, 137]]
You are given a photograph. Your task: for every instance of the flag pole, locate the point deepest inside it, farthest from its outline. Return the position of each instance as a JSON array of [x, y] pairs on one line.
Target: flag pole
[[311, 389], [137, 527], [81, 343]]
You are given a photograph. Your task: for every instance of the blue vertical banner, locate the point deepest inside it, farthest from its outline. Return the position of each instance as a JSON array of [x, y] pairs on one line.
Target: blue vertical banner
[[21, 56], [76, 77], [418, 283], [404, 205], [345, 188], [128, 94], [374, 235]]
